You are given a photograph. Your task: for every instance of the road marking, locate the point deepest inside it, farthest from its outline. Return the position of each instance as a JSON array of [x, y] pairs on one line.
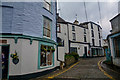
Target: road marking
[[64, 70], [104, 71]]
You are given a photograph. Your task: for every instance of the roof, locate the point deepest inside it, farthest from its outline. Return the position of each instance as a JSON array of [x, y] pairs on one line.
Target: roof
[[59, 19], [85, 23], [115, 17], [113, 34]]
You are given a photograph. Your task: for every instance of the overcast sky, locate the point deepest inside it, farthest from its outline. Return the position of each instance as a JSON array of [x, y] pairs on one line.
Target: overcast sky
[[68, 11]]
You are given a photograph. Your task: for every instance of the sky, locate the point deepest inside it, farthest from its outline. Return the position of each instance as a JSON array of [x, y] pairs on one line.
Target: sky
[[109, 9]]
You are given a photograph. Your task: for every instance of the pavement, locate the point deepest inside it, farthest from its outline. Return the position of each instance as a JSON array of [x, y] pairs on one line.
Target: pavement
[[112, 70], [84, 69]]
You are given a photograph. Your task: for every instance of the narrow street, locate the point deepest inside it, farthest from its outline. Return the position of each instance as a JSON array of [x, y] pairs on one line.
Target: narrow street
[[86, 69]]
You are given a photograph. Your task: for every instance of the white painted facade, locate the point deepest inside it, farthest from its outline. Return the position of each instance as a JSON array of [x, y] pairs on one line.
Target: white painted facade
[[96, 35], [66, 34], [28, 57], [114, 40]]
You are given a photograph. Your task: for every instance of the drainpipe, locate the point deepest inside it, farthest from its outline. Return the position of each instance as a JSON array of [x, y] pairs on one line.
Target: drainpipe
[[56, 32], [68, 38]]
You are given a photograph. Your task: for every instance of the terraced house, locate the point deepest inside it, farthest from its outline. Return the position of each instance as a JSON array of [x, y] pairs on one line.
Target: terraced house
[[28, 38], [84, 38], [114, 40]]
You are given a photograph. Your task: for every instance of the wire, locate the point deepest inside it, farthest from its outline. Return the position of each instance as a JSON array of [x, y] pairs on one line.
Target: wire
[[99, 12], [85, 12]]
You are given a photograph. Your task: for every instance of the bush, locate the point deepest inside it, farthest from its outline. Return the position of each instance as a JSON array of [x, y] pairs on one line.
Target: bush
[[69, 59], [75, 55]]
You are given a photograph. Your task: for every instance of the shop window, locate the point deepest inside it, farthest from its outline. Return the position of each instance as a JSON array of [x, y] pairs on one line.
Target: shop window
[[46, 56], [117, 47], [47, 27], [47, 4]]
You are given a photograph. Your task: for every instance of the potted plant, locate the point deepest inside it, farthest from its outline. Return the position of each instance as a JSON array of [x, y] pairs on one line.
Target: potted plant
[[53, 49], [15, 58], [48, 49], [45, 50], [42, 49]]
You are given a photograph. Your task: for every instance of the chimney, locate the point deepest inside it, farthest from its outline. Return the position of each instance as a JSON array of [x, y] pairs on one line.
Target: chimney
[[76, 22]]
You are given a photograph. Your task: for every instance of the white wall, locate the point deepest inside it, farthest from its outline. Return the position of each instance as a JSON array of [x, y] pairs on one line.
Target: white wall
[[61, 53], [64, 36], [80, 48], [28, 57]]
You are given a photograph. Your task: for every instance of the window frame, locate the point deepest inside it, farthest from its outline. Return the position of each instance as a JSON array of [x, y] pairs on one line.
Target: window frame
[[39, 54], [74, 36], [50, 4], [44, 35], [93, 42], [85, 38], [73, 28], [58, 25]]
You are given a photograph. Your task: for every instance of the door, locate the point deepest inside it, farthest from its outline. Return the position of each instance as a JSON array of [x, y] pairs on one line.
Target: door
[[85, 50], [5, 58]]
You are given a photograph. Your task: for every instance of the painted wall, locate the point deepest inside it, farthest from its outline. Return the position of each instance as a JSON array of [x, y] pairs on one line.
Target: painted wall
[[27, 18], [80, 48], [115, 24], [96, 35], [64, 36], [28, 57]]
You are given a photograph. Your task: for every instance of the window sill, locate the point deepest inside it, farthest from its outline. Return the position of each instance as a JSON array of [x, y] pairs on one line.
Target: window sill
[[46, 37], [45, 66]]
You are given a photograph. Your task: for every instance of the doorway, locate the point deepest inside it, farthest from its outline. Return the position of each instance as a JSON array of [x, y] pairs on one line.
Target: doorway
[[85, 50], [5, 58]]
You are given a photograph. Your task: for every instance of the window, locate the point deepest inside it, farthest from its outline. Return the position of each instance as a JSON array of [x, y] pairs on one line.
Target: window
[[47, 27], [46, 56], [47, 4], [84, 31], [60, 41], [85, 38], [99, 35], [73, 49], [92, 33], [91, 26], [58, 28], [99, 42], [98, 29], [73, 28], [74, 37], [116, 46], [93, 42]]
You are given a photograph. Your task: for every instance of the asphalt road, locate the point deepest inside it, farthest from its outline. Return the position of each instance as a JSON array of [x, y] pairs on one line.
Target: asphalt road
[[86, 69]]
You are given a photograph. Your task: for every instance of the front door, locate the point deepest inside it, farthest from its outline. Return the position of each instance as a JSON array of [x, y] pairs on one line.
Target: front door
[[5, 57], [85, 50]]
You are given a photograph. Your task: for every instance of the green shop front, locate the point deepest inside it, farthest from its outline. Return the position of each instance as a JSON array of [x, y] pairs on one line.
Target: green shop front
[[23, 56]]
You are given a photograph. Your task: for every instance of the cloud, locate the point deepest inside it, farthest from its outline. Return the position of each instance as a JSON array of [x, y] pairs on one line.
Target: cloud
[[68, 10]]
